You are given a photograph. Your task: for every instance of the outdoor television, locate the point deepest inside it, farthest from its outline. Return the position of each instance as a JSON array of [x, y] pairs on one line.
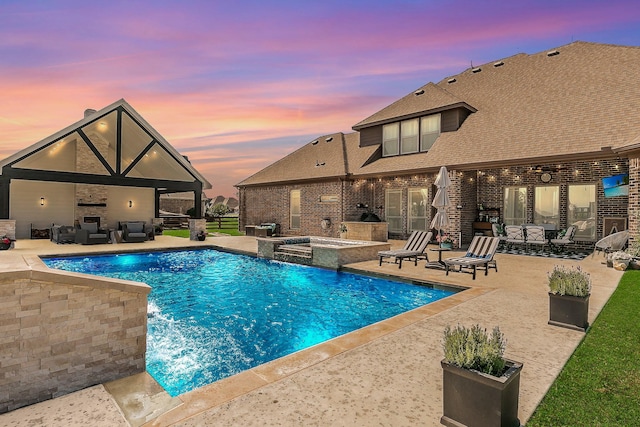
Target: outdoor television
[[616, 185]]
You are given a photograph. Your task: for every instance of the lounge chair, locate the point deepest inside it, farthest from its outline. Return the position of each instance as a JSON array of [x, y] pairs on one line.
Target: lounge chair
[[479, 255], [413, 249], [535, 236], [566, 239], [613, 242], [63, 233]]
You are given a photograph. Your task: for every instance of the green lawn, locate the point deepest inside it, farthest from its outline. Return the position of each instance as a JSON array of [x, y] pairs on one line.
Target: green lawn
[[600, 384], [229, 226]]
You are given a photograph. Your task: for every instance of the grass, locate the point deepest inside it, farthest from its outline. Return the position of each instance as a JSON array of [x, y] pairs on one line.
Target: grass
[[229, 226], [600, 384]]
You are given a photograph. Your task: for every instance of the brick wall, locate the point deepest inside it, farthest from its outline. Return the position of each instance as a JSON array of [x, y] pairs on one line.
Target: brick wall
[[469, 188], [62, 332]]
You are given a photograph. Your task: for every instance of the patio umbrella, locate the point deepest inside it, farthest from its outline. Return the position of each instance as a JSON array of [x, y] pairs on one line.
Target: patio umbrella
[[441, 201]]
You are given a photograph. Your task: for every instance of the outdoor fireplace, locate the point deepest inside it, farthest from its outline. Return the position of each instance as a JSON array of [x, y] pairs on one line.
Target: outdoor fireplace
[[88, 219]]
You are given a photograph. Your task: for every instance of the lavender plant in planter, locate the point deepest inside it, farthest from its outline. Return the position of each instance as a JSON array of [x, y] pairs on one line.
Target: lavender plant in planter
[[480, 387], [569, 291]]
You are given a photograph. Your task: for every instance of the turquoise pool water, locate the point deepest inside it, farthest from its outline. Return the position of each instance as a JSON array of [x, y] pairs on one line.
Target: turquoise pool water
[[213, 314]]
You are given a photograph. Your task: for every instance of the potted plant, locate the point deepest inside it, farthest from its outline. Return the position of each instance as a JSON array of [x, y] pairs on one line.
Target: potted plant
[[569, 291], [201, 235], [343, 231], [5, 243], [480, 387], [445, 241], [620, 260]]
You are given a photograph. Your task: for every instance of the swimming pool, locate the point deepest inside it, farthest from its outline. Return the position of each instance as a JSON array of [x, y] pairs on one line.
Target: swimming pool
[[213, 314]]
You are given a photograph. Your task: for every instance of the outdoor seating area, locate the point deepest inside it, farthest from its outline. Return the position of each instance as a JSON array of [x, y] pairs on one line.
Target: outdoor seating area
[[90, 233], [531, 239]]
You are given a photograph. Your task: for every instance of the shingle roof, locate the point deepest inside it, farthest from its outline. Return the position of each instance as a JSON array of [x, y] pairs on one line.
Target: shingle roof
[[576, 100], [323, 157], [428, 98]]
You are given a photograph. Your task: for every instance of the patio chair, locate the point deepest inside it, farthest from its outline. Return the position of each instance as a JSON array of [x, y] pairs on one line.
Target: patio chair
[[561, 242], [612, 243], [479, 255], [134, 231], [63, 234], [515, 235], [499, 232], [90, 234], [413, 249], [535, 235]]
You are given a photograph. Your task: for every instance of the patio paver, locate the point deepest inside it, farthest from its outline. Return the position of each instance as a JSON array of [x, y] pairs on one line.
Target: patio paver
[[386, 374]]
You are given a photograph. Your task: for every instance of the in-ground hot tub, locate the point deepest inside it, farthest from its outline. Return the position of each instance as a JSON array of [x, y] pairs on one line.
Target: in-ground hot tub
[[320, 251]]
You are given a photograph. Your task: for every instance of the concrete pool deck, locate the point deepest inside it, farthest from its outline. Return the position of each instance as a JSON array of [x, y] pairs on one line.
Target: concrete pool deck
[[386, 374]]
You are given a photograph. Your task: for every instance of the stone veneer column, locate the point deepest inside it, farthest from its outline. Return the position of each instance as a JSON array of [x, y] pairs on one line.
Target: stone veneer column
[[8, 228], [195, 226], [634, 196]]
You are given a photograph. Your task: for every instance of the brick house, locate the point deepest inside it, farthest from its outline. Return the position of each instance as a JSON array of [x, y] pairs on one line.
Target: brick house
[[110, 166], [526, 139]]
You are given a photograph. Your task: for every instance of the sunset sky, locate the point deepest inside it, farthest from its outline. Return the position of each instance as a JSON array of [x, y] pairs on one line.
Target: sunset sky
[[236, 85]]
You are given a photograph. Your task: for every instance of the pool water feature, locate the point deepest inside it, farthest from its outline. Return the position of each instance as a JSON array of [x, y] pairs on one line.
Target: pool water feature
[[213, 314]]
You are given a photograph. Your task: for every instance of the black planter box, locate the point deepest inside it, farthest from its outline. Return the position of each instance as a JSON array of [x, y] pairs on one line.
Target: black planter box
[[568, 311], [471, 398]]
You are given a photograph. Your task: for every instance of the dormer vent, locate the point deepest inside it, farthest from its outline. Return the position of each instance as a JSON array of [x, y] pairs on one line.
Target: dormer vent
[[498, 64], [329, 139], [314, 142], [476, 70], [452, 80], [418, 92], [553, 53]]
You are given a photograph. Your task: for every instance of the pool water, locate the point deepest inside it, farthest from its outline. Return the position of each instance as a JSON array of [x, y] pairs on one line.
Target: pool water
[[213, 314]]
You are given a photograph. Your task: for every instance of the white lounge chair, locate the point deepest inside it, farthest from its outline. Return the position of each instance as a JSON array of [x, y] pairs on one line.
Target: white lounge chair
[[479, 255], [413, 249], [613, 242]]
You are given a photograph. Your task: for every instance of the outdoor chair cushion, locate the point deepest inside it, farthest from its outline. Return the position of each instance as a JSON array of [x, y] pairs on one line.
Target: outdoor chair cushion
[[91, 227], [135, 227]]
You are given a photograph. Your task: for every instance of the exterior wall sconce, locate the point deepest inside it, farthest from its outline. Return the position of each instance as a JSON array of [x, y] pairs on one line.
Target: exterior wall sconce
[[41, 201], [130, 203]]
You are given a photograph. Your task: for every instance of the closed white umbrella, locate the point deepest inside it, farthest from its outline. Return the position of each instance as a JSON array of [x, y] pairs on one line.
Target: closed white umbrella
[[441, 201]]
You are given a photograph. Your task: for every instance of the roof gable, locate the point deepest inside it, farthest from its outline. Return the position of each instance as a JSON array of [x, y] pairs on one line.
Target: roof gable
[[115, 141], [428, 99]]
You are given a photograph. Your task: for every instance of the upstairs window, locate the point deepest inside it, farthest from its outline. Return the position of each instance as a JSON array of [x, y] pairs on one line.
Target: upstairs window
[[409, 136], [390, 137], [430, 131]]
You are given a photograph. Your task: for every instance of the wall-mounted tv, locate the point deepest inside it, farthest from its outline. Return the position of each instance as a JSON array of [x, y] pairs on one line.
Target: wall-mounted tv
[[616, 185]]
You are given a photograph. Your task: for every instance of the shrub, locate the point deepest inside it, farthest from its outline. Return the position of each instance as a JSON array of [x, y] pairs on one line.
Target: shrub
[[569, 281], [474, 348]]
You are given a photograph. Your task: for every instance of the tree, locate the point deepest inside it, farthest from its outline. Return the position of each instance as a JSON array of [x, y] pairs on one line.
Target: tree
[[217, 212]]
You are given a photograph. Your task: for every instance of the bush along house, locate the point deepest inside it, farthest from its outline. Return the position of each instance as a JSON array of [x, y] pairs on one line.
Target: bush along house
[[550, 138]]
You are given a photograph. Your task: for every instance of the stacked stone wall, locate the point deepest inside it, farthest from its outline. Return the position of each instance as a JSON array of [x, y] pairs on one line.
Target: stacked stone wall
[[61, 333]]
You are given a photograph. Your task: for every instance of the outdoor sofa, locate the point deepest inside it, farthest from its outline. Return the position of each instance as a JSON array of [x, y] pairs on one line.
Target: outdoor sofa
[[90, 234]]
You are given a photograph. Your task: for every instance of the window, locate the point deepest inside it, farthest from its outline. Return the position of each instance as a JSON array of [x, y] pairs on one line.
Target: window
[[430, 131], [546, 207], [393, 210], [390, 137], [582, 210], [515, 205], [409, 135], [418, 207], [295, 209]]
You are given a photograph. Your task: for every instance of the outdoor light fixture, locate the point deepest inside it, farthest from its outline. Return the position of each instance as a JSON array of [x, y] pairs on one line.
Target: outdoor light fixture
[[130, 203], [41, 201]]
